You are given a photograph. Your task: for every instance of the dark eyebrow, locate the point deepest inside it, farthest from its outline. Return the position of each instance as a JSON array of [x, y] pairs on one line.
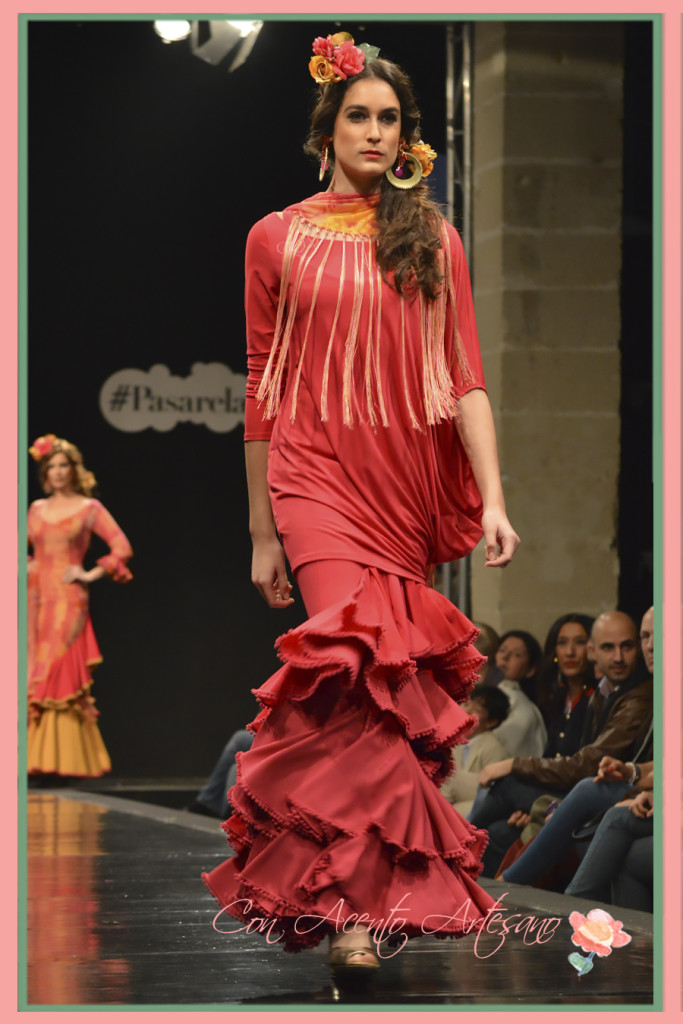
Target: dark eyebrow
[[385, 110]]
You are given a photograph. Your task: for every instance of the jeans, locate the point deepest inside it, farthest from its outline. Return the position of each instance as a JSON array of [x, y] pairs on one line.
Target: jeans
[[607, 853], [491, 809], [214, 794], [586, 799], [633, 885]]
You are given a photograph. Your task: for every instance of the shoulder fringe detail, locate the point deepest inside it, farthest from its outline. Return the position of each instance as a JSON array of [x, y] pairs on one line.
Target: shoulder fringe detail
[[306, 241]]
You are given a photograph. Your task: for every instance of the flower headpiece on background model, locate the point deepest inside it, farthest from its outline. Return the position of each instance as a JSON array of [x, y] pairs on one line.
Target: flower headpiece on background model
[[42, 450], [336, 58]]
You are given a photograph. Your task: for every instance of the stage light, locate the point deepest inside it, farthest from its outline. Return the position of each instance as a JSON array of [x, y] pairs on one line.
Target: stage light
[[172, 31], [213, 41], [245, 27]]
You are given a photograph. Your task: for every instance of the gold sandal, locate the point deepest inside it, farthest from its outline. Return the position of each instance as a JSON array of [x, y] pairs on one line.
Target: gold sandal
[[346, 966]]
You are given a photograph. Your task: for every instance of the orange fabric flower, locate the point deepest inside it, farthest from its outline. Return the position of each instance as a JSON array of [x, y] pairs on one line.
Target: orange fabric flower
[[322, 71], [426, 155], [339, 38]]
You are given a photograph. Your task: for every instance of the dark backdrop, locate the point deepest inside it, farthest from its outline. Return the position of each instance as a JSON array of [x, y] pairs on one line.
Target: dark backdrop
[[147, 168]]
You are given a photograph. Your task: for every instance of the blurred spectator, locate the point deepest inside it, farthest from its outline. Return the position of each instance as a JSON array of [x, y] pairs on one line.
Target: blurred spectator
[[212, 798], [523, 733], [487, 643], [617, 867], [491, 707], [566, 681]]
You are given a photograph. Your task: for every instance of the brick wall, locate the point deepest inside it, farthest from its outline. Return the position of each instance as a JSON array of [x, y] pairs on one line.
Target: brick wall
[[546, 262]]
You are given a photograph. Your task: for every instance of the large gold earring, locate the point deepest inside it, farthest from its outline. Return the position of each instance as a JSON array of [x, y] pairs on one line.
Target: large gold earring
[[324, 160], [401, 177]]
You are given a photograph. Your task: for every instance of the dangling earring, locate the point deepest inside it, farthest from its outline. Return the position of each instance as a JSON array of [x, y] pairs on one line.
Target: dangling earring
[[401, 176], [324, 161]]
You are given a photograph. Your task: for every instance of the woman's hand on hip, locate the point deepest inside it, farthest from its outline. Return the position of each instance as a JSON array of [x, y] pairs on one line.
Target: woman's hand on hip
[[269, 573], [499, 537], [75, 574]]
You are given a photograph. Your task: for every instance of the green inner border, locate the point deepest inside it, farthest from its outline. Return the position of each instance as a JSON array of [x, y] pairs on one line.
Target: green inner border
[[658, 477]]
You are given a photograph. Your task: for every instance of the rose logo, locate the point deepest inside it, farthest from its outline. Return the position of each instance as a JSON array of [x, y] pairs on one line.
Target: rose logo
[[596, 933]]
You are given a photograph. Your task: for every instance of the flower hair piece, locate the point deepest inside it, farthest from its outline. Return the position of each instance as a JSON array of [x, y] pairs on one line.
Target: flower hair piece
[[336, 58], [426, 156], [42, 446]]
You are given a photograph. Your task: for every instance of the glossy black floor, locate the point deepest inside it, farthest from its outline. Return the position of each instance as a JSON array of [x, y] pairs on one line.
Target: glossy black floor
[[118, 916]]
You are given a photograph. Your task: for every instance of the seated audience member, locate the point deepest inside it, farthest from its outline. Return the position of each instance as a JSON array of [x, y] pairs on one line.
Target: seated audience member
[[487, 643], [591, 796], [523, 733], [617, 867], [566, 682], [619, 715], [212, 798], [491, 706]]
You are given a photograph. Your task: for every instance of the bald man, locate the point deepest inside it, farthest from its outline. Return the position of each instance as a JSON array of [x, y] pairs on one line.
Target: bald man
[[618, 721]]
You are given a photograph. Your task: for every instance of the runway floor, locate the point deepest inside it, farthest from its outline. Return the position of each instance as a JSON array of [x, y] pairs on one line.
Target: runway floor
[[117, 916]]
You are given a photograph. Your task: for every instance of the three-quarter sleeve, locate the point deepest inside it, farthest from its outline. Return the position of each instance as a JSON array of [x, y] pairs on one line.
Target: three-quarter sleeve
[[473, 376], [106, 527], [263, 265]]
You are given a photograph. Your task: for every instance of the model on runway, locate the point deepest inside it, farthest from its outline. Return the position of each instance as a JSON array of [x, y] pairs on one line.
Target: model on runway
[[371, 456], [63, 736]]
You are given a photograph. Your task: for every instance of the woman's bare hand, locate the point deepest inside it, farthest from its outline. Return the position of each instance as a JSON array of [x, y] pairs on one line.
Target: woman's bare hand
[[75, 574], [499, 537], [643, 805], [496, 770], [269, 573], [610, 768], [519, 819]]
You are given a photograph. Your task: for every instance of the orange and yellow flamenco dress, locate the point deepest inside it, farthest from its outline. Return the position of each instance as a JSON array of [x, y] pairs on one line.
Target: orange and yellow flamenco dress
[[63, 735]]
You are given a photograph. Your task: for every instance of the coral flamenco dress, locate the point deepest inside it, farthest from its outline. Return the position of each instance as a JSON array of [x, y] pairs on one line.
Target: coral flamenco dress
[[63, 736], [336, 809]]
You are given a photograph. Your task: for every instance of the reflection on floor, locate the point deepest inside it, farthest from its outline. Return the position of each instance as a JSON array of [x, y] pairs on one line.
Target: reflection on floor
[[117, 916]]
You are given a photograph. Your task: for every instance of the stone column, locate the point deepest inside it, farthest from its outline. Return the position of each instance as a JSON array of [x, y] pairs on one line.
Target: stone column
[[547, 111]]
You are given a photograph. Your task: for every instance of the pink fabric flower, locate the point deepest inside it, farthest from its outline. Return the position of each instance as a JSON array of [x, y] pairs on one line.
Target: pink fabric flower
[[598, 933], [323, 47], [42, 446], [348, 59]]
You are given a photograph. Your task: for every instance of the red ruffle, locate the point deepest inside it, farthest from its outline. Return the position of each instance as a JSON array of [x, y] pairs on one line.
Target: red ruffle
[[336, 810], [68, 676]]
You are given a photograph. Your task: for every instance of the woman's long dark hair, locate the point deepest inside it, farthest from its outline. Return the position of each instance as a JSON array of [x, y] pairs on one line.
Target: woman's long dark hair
[[408, 219], [533, 650], [551, 684]]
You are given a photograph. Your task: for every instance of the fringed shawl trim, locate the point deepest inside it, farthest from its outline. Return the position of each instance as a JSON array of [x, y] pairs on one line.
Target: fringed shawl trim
[[315, 226]]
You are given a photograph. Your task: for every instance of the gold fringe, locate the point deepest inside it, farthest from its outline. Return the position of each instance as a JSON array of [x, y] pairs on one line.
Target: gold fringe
[[380, 394], [369, 350], [464, 368], [351, 343], [413, 418], [326, 369], [316, 287], [304, 240]]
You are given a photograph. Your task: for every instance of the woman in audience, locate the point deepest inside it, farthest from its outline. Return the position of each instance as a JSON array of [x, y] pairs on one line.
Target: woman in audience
[[523, 732], [565, 682], [566, 679]]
